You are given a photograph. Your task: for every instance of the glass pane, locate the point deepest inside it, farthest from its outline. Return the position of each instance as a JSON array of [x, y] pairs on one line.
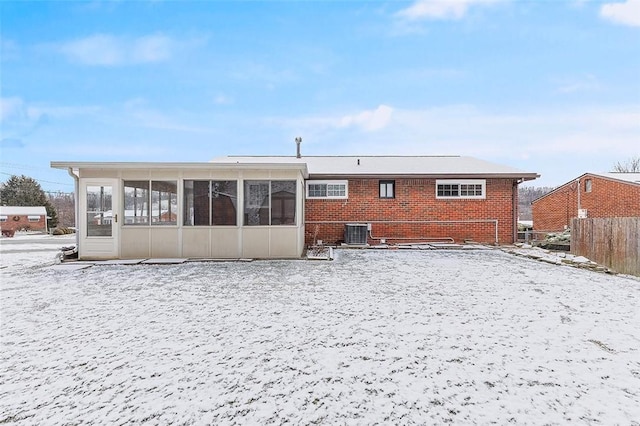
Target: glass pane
[[136, 202], [187, 195], [318, 190], [587, 185], [386, 189], [224, 202], [336, 190], [196, 202], [256, 202], [448, 190], [283, 202], [99, 212], [164, 202]]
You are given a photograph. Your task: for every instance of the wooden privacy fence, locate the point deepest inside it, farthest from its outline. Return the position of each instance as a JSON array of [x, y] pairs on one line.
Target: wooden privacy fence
[[613, 242]]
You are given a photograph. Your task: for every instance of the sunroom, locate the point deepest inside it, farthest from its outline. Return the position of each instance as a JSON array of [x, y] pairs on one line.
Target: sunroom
[[188, 210]]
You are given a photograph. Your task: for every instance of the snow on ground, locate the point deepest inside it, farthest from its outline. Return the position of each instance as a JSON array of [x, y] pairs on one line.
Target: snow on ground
[[376, 336]]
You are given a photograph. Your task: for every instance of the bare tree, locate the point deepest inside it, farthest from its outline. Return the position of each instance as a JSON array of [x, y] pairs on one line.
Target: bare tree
[[632, 165], [526, 194], [64, 204]]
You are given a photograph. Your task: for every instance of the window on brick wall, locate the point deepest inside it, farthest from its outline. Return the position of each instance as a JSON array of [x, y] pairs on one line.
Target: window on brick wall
[[387, 188], [588, 185], [327, 189], [461, 189]]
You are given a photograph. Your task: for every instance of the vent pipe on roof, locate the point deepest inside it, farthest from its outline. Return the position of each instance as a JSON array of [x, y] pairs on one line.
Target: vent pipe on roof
[[298, 142]]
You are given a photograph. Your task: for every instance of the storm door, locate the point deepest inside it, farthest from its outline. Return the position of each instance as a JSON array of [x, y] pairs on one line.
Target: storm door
[[99, 223]]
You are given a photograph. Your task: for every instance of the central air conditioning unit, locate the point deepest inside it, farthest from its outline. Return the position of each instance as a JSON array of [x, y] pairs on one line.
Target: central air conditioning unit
[[356, 233]]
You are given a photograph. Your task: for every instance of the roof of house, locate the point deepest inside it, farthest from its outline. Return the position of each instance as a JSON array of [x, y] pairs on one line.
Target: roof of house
[[366, 165], [22, 211], [434, 166], [129, 165], [627, 177]]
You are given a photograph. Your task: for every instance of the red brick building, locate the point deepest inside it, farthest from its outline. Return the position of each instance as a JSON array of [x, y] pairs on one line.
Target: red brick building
[[590, 195], [396, 199], [14, 219]]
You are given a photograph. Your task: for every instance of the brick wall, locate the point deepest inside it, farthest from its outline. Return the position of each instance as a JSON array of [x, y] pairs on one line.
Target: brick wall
[[23, 223], [608, 198], [415, 200]]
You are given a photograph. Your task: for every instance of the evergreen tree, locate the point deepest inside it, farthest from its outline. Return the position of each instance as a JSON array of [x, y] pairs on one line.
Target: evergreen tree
[[26, 191]]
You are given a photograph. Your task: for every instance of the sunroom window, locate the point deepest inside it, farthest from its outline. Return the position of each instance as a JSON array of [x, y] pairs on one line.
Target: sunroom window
[[152, 202], [269, 202], [210, 202]]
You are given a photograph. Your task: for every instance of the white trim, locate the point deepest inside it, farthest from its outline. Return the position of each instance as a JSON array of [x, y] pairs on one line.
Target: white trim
[[212, 166], [33, 218], [327, 182], [459, 182]]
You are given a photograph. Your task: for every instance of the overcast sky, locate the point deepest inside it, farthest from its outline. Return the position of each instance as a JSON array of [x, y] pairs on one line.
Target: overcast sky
[[551, 87]]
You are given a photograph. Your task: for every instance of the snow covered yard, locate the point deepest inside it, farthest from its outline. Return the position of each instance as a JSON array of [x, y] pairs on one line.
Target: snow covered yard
[[387, 337]]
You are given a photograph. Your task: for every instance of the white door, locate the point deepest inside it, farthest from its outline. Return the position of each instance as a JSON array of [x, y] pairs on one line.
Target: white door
[[99, 219]]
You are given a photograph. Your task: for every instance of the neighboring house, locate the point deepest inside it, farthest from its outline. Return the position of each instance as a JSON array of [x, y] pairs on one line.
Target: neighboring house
[[14, 218], [590, 195], [273, 207]]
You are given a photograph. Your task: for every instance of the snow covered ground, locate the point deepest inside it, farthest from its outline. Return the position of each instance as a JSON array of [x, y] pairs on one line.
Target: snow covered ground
[[375, 336]]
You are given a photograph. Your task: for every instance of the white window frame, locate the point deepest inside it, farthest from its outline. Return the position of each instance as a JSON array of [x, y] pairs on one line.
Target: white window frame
[[33, 218], [482, 182], [3, 218], [327, 182]]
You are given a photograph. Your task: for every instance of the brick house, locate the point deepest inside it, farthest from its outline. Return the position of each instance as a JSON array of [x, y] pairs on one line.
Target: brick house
[[13, 218], [590, 195], [407, 198], [273, 207]]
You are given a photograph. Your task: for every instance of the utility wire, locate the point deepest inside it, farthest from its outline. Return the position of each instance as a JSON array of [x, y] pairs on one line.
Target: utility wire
[[6, 165], [40, 180]]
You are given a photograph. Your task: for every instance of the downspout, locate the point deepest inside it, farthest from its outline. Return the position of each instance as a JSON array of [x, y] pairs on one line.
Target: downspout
[[76, 205], [514, 208], [578, 181]]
